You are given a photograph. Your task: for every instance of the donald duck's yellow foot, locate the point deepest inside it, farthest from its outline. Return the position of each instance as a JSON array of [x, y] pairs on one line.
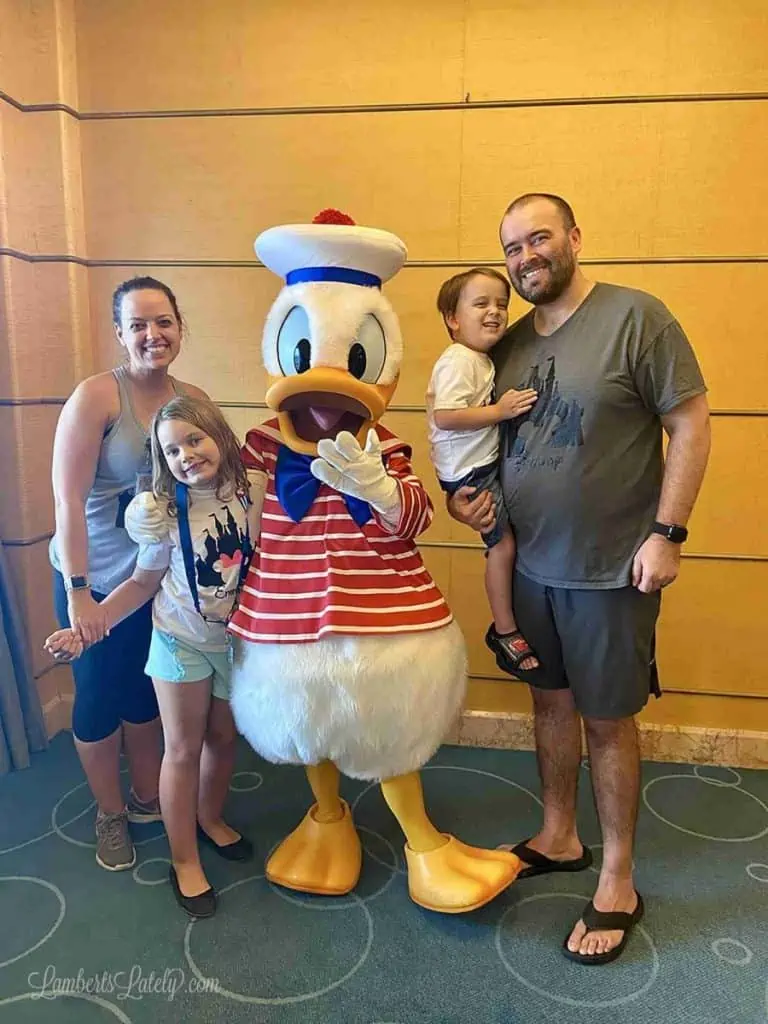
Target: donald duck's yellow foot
[[318, 857], [456, 878]]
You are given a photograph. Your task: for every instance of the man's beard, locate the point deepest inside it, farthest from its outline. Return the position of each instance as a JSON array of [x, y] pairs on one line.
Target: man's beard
[[561, 267]]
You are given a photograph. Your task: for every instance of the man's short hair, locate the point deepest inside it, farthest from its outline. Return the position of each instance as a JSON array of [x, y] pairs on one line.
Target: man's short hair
[[450, 290], [566, 212]]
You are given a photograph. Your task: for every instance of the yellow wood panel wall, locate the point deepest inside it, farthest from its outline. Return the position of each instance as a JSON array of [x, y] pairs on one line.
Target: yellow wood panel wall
[[234, 53], [48, 327], [614, 47], [28, 64], [434, 177], [32, 163], [647, 180], [212, 184], [45, 343]]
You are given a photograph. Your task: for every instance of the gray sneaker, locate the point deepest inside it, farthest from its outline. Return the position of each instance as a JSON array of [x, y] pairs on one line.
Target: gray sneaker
[[114, 849], [141, 813]]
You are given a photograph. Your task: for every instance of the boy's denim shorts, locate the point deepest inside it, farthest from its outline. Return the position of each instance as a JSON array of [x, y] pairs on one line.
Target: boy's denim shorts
[[485, 478], [177, 661]]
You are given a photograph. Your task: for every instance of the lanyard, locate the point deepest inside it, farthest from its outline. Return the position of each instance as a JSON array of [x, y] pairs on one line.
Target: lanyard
[[182, 511]]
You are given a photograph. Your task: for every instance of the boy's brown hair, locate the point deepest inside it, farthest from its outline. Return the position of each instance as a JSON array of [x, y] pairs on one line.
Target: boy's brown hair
[[450, 291]]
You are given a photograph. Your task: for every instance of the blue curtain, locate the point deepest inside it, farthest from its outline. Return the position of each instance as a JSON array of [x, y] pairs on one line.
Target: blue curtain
[[22, 728]]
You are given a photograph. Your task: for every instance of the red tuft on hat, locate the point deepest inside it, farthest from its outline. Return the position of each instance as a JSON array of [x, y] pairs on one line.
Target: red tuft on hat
[[331, 216]]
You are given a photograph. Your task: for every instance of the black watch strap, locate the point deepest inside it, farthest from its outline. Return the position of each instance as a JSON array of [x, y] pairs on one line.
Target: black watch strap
[[673, 532], [77, 583]]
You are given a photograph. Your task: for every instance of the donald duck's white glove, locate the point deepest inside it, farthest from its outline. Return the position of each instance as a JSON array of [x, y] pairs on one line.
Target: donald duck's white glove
[[359, 472], [145, 520], [147, 524]]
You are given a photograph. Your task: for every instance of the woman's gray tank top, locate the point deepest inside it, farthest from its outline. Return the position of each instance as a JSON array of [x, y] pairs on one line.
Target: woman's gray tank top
[[124, 454]]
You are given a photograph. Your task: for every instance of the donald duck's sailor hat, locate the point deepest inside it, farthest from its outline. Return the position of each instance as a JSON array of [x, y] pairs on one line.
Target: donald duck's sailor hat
[[331, 248]]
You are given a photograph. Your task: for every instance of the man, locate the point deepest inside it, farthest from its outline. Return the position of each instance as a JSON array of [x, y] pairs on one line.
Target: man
[[600, 517]]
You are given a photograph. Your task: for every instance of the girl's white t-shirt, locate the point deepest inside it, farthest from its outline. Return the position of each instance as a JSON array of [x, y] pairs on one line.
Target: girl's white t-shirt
[[461, 379], [217, 529]]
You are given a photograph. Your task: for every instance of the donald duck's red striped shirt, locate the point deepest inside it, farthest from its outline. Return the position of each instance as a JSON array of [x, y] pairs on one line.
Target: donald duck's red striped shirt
[[325, 574]]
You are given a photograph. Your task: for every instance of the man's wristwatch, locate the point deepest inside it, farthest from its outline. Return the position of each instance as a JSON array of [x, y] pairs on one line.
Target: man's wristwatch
[[672, 532], [77, 583]]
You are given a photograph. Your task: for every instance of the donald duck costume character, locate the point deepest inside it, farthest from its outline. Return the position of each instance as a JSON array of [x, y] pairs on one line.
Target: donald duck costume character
[[348, 658]]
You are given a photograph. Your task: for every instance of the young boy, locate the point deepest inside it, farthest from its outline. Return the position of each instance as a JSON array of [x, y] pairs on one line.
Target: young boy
[[464, 434]]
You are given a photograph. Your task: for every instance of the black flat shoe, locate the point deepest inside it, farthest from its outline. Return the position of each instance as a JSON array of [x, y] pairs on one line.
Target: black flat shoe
[[202, 905], [240, 850]]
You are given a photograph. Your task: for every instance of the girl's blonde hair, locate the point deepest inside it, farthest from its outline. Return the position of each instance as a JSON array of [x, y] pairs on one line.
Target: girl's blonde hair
[[208, 418]]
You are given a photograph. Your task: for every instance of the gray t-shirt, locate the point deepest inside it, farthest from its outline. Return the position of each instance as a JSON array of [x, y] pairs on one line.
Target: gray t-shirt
[[582, 471]]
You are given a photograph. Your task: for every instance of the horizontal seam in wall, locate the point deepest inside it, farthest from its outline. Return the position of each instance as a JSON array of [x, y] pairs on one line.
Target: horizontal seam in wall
[[455, 545], [597, 261], [50, 668], [419, 409], [388, 108], [31, 401], [23, 542], [449, 545]]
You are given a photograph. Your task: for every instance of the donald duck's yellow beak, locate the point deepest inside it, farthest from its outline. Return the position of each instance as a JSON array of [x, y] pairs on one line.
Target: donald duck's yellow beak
[[322, 402]]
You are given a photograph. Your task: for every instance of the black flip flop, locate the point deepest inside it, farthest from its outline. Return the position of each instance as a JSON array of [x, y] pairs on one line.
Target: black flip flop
[[540, 864], [606, 921]]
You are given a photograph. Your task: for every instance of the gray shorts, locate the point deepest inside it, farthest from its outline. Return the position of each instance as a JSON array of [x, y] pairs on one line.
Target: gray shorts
[[600, 644], [485, 478]]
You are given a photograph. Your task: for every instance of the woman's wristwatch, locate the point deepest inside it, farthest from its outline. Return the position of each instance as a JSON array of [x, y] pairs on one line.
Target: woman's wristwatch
[[76, 583], [672, 532]]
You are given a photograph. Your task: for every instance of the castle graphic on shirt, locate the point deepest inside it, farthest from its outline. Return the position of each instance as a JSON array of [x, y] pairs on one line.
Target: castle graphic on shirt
[[553, 422], [222, 548]]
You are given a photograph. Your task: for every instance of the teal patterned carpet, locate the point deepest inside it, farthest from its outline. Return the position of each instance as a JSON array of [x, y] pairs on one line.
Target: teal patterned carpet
[[80, 945]]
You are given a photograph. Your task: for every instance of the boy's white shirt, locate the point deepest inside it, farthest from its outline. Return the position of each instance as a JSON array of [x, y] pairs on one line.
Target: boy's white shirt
[[461, 379], [157, 534]]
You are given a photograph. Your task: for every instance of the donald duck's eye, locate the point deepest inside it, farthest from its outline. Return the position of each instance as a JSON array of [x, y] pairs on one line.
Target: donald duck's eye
[[294, 350], [301, 356], [357, 361], [369, 352]]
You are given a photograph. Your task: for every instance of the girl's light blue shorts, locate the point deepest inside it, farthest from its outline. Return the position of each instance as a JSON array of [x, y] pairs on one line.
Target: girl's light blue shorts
[[178, 661]]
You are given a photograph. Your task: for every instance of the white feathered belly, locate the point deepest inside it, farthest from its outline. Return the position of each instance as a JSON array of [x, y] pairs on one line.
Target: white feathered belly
[[376, 706]]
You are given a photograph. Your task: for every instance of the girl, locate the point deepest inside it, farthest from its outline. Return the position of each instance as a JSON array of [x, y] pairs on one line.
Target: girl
[[194, 543]]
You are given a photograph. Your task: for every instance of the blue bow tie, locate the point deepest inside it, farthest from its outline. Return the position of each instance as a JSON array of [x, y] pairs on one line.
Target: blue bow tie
[[297, 489]]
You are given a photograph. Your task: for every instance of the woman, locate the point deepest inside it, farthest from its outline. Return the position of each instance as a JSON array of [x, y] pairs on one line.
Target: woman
[[99, 451]]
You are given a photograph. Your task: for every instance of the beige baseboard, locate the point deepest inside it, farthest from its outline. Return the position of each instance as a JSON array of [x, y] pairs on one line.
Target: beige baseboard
[[57, 714], [736, 748]]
